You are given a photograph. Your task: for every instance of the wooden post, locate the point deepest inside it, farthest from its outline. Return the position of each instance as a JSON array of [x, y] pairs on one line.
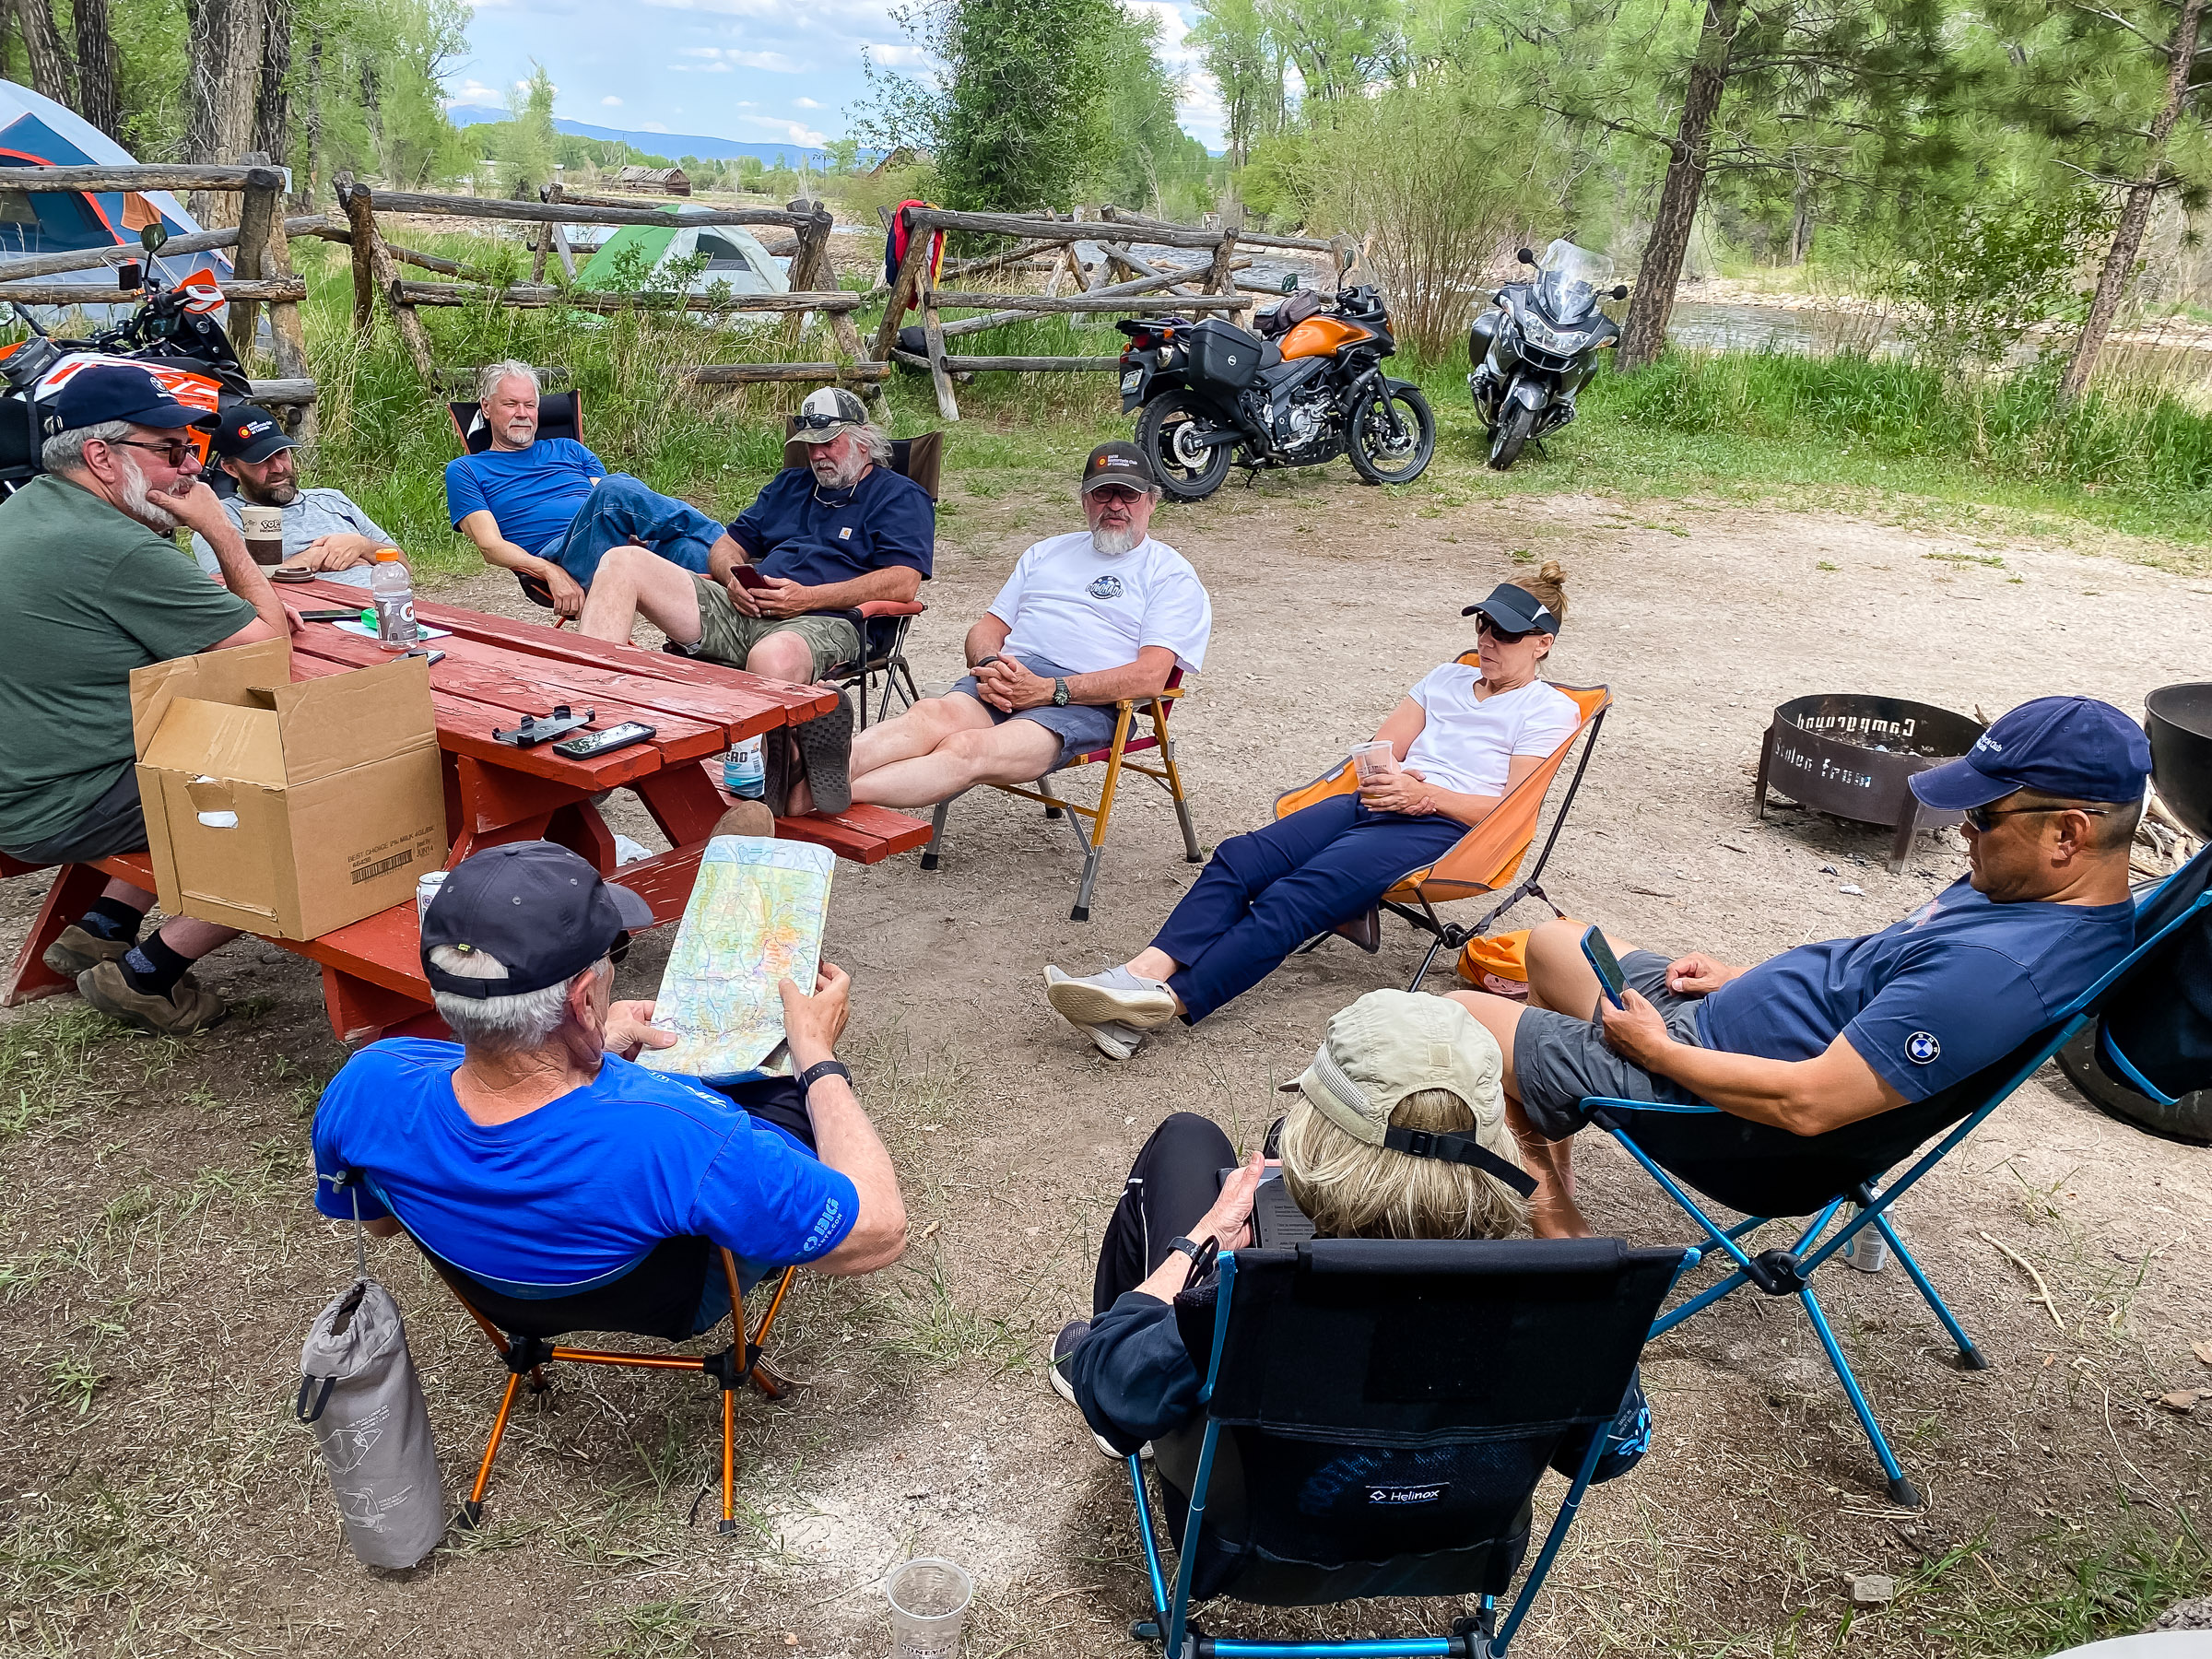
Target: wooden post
[[809, 269], [260, 214], [933, 331], [903, 287], [567, 254], [361, 209], [354, 200], [1219, 281]]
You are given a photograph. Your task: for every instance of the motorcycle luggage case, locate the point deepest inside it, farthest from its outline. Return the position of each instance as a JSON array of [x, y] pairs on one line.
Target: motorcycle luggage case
[[1223, 352]]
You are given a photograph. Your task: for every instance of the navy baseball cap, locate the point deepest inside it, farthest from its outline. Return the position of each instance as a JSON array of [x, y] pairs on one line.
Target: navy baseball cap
[[1515, 610], [1118, 464], [2073, 747], [541, 911], [114, 392], [249, 432]]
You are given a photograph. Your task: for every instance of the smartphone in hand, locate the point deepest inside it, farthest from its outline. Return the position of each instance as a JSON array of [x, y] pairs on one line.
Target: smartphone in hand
[[749, 577], [1606, 965]]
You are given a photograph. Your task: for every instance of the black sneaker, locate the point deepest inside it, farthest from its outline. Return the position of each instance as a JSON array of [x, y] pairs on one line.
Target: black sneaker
[[1063, 1350]]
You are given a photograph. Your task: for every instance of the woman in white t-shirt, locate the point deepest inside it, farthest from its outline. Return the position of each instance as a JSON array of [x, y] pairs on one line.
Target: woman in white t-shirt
[[1460, 740]]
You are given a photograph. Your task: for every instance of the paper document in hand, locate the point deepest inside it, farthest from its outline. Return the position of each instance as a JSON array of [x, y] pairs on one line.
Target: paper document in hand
[[754, 921]]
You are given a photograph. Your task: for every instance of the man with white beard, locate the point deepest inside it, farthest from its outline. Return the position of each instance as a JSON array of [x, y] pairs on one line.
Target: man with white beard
[[1085, 620], [94, 590]]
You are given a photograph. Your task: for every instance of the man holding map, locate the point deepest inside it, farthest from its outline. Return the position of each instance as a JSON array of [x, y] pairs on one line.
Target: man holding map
[[535, 1151]]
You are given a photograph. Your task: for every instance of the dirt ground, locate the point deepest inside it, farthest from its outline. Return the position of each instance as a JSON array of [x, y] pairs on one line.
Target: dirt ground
[[160, 1261]]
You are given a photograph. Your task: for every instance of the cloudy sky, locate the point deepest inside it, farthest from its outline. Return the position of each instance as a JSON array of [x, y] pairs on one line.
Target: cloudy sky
[[765, 70]]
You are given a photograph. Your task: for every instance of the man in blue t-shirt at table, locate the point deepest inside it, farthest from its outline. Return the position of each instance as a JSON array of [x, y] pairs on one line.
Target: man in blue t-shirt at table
[[547, 508], [533, 1153], [821, 540], [1833, 1033]]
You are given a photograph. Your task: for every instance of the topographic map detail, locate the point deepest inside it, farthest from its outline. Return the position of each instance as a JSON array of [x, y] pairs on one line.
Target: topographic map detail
[[755, 919]]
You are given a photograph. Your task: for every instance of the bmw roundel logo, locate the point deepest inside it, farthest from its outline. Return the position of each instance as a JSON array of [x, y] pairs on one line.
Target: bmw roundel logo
[[1106, 587], [1922, 1047]]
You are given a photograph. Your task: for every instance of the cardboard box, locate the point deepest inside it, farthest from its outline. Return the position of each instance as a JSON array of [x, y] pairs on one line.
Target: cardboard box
[[287, 810]]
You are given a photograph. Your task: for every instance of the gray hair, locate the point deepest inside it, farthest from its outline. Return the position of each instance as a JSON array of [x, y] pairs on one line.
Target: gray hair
[[492, 376], [65, 451], [877, 442], [500, 1025]]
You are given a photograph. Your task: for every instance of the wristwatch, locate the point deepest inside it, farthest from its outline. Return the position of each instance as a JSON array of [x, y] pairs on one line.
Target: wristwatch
[[825, 1069], [1059, 694], [1189, 1247]]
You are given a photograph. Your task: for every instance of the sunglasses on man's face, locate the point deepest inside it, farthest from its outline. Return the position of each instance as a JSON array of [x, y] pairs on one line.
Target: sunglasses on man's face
[[1983, 820], [173, 451], [1116, 492]]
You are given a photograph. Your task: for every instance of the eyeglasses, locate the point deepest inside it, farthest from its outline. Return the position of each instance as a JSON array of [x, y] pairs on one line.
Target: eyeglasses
[[1483, 625], [819, 423], [1982, 819], [171, 451], [1117, 492]]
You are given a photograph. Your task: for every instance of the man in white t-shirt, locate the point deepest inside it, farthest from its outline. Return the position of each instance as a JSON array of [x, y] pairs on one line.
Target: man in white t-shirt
[[1085, 620], [1459, 743]]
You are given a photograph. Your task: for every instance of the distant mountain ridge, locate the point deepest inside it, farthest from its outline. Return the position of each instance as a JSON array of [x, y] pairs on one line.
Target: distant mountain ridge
[[671, 144]]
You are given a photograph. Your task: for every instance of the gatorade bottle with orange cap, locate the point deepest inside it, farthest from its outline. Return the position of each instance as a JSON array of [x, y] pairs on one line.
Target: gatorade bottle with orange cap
[[393, 590]]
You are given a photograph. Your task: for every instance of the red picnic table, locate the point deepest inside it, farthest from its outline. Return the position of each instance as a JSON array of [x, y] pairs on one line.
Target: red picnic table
[[495, 672]]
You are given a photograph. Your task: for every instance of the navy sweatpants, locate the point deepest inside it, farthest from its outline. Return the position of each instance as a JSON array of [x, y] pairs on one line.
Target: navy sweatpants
[[1263, 895]]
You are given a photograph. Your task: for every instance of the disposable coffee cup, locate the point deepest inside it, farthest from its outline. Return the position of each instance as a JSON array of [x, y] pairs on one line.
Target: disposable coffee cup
[[1373, 760], [263, 528], [929, 1599]]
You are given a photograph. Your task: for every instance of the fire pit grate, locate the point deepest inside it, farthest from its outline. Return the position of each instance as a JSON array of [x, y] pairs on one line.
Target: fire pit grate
[[1855, 756]]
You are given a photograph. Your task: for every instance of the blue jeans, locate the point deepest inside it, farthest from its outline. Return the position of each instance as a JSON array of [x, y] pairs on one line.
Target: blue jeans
[[622, 510], [1261, 896]]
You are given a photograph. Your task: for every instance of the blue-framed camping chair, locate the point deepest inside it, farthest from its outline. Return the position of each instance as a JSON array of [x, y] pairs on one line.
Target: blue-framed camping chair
[[1376, 1416], [1766, 1172]]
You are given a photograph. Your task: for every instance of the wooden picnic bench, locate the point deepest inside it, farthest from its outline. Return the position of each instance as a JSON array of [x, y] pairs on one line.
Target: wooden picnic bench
[[495, 672]]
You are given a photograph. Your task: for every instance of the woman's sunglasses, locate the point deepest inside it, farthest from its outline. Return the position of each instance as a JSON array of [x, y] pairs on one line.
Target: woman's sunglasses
[[1982, 819], [1483, 625]]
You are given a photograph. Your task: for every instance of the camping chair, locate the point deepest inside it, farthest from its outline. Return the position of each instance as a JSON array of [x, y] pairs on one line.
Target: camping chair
[[657, 1297], [1766, 1172], [883, 623], [1485, 858], [559, 415], [1116, 756], [1377, 1414]]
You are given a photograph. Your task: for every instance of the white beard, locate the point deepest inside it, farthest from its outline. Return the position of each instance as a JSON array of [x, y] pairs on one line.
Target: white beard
[[1114, 543], [843, 476], [137, 501]]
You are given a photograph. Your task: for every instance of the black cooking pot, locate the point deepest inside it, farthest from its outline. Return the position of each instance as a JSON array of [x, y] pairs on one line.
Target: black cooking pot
[[2179, 722]]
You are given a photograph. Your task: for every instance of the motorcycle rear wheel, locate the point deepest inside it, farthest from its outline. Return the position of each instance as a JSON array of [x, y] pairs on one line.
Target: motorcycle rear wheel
[[1374, 454], [1163, 432], [1512, 434]]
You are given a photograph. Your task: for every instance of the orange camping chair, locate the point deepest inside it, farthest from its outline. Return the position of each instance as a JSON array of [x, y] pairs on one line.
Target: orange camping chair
[[658, 1298], [559, 415], [1127, 742], [1485, 859]]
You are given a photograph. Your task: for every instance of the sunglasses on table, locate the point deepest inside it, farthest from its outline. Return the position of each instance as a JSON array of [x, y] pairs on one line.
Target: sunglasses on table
[[173, 451], [1983, 820]]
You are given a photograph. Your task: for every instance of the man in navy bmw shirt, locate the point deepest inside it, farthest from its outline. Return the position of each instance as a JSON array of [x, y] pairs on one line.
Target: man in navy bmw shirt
[[534, 1153], [821, 540], [1837, 1032]]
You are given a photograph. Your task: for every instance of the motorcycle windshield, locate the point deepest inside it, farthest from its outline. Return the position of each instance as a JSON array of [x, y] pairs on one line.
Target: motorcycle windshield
[[1570, 280]]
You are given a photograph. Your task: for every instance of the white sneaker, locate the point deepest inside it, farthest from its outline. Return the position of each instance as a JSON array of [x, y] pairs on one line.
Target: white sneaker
[[1115, 996]]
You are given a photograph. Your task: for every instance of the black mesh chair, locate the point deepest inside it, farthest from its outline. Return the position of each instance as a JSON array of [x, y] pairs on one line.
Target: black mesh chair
[[1377, 1415], [658, 1298], [1765, 1172], [559, 415]]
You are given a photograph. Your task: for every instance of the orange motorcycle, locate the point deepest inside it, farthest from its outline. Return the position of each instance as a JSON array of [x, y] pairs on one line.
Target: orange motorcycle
[[1307, 387]]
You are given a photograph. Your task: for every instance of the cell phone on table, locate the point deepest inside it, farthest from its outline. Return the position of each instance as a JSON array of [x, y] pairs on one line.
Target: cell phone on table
[[747, 577], [333, 614], [1606, 965]]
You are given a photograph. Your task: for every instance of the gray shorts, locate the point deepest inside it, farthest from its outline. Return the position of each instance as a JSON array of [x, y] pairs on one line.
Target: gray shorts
[[1080, 727], [115, 823], [1560, 1058]]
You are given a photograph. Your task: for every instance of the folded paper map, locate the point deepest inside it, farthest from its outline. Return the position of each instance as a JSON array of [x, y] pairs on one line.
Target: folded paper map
[[755, 920]]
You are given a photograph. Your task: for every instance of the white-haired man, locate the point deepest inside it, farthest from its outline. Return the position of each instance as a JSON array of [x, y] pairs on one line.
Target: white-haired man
[[549, 508], [95, 588], [818, 542], [532, 1152], [1085, 620]]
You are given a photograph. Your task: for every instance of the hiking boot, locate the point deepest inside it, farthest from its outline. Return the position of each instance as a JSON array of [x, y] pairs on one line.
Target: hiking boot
[[184, 1012], [745, 818], [1115, 996], [76, 951], [825, 756]]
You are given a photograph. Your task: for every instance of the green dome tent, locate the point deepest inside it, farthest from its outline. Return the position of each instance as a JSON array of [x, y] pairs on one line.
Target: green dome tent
[[735, 260]]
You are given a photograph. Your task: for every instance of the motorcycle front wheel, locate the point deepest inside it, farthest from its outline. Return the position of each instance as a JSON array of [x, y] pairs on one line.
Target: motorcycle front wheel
[[1393, 445], [1187, 472], [1511, 435]]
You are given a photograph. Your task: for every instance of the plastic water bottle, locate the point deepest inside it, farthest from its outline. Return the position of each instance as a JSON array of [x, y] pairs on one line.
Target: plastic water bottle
[[393, 592], [744, 770]]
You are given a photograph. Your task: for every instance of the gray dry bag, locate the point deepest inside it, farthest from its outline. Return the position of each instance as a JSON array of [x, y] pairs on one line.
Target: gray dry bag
[[358, 1390]]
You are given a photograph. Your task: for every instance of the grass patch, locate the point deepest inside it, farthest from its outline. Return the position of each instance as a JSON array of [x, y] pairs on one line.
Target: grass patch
[[45, 1072]]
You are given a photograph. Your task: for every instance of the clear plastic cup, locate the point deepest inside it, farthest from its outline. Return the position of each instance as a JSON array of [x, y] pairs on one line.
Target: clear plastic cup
[[1373, 760], [929, 1599]]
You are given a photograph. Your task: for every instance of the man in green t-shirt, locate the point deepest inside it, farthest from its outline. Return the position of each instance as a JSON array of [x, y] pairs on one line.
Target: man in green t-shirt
[[94, 589]]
